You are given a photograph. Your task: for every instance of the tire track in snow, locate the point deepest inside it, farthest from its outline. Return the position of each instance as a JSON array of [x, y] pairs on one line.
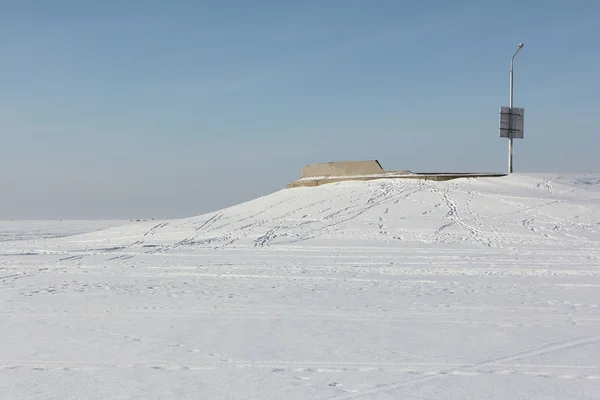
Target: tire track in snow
[[426, 370], [252, 216], [534, 351], [150, 232], [72, 258], [265, 239], [271, 234], [197, 232], [384, 197], [433, 318], [244, 231]]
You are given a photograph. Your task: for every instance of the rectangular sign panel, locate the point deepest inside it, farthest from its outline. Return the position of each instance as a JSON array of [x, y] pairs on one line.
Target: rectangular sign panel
[[504, 121], [512, 122]]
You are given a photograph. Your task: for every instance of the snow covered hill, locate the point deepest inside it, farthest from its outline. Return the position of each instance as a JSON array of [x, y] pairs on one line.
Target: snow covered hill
[[556, 211]]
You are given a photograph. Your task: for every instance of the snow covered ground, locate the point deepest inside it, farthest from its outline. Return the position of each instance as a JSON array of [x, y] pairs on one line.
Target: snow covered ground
[[388, 289], [34, 229]]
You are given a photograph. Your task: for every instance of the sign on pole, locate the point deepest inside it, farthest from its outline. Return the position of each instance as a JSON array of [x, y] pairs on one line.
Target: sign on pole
[[511, 122]]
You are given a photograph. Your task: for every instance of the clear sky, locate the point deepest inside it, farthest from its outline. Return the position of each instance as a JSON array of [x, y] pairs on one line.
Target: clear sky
[[140, 109]]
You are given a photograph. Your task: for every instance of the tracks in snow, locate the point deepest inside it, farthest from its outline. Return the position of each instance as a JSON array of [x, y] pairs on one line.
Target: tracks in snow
[[308, 369], [473, 231], [387, 211], [474, 368], [148, 233]]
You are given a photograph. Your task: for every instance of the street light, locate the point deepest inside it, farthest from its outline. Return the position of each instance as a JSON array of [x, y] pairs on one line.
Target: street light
[[510, 138]]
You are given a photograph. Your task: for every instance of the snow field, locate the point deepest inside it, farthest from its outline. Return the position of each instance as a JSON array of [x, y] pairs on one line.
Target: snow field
[[467, 289]]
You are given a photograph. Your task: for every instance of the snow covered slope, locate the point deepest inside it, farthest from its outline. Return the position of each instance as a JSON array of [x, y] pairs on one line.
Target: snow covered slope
[[390, 289], [516, 211]]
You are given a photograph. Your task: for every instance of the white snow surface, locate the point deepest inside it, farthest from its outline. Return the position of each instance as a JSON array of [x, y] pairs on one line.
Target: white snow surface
[[481, 288]]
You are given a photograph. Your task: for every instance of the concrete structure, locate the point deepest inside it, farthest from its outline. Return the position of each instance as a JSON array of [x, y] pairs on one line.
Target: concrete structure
[[342, 168], [330, 172]]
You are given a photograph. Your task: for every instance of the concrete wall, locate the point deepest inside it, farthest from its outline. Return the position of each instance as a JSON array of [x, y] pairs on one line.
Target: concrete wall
[[342, 168], [324, 173]]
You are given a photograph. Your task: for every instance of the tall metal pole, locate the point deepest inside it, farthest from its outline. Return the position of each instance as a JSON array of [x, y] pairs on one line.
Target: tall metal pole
[[510, 136]]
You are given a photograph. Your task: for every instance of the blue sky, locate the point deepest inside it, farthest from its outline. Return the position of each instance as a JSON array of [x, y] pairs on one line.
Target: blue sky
[[139, 109]]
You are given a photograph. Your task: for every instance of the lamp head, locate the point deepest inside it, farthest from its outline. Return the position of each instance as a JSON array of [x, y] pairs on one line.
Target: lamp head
[[521, 45]]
